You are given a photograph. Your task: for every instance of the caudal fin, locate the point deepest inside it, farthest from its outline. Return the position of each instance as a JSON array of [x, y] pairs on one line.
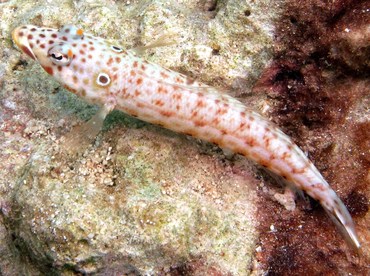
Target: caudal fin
[[341, 217]]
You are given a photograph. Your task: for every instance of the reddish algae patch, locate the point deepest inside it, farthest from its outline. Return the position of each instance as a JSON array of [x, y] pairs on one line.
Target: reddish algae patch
[[319, 84]]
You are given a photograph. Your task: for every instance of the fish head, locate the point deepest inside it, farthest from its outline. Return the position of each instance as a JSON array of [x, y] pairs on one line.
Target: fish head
[[82, 63]]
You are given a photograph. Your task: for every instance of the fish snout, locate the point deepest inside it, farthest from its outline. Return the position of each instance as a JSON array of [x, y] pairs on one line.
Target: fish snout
[[21, 37]]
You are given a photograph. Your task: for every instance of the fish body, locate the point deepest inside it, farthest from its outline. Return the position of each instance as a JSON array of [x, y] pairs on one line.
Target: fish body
[[104, 73]]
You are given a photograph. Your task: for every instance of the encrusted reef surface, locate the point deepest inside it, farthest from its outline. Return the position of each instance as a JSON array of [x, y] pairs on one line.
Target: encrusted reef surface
[[319, 86], [144, 200]]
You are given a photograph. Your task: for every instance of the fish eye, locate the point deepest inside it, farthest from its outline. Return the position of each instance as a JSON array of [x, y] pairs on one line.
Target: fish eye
[[116, 49], [58, 58], [55, 56]]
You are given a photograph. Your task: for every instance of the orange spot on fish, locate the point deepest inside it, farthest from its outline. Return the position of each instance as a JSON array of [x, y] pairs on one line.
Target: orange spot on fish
[[179, 80], [200, 103], [221, 111], [216, 121], [301, 170], [318, 186], [70, 53], [162, 90], [177, 96], [285, 155], [80, 32], [110, 61], [199, 123], [166, 113], [267, 141], [139, 81], [264, 163], [164, 75], [251, 142], [158, 103]]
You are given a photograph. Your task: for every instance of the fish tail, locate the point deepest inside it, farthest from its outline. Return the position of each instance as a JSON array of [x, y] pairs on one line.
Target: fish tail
[[339, 214]]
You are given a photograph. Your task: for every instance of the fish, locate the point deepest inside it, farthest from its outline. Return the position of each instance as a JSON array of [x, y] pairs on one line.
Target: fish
[[104, 73]]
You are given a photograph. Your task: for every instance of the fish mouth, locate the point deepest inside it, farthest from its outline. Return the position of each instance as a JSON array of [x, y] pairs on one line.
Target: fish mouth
[[20, 38]]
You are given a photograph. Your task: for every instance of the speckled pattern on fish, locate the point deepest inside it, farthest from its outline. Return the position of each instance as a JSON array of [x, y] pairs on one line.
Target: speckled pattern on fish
[[105, 74]]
